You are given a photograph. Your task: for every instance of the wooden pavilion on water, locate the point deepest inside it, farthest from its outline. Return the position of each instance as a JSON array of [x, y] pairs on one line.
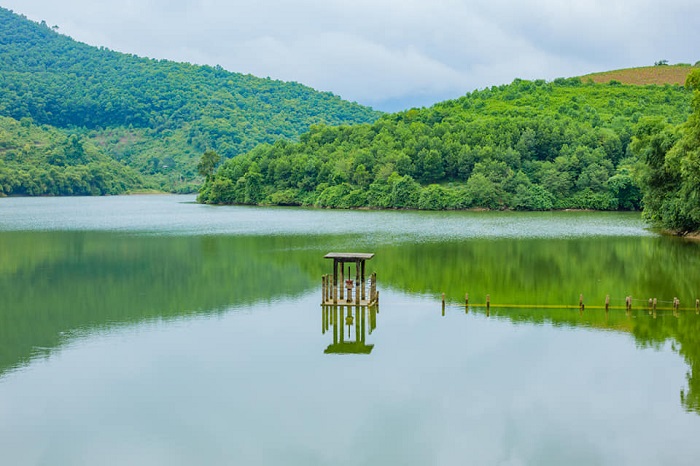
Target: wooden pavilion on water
[[349, 303], [338, 290]]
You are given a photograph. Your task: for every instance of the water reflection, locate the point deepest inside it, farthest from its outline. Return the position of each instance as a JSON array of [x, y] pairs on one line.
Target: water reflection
[[56, 284], [349, 327], [650, 329]]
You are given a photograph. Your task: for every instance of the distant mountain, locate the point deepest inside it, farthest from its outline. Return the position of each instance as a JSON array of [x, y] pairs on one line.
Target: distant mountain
[[156, 116]]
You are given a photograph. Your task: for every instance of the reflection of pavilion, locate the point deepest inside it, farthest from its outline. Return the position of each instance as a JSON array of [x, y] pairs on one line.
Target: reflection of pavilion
[[349, 303], [360, 321]]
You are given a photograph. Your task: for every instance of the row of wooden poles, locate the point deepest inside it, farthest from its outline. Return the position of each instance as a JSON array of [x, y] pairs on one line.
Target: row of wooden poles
[[343, 293], [652, 304]]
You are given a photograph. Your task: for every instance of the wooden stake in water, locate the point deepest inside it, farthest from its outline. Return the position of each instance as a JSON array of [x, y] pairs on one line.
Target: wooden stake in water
[[607, 302], [488, 302]]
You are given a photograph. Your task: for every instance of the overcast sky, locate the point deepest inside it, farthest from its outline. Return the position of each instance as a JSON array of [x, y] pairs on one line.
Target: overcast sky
[[390, 54]]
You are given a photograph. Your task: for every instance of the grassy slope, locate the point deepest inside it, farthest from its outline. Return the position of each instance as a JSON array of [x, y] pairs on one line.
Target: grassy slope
[[660, 75]]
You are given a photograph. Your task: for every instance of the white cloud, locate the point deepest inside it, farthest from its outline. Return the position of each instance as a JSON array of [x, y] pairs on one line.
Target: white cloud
[[387, 52]]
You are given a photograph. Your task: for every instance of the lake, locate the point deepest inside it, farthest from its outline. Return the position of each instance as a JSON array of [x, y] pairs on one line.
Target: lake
[[153, 330]]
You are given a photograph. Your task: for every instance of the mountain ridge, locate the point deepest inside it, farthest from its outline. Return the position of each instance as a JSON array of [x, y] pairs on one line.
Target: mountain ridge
[[172, 112]]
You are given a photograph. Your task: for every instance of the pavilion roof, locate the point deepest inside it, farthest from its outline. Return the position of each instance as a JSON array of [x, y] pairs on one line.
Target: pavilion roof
[[349, 256]]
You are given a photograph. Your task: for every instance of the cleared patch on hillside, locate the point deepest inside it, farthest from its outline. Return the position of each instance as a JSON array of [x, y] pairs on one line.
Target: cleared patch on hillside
[[660, 74]]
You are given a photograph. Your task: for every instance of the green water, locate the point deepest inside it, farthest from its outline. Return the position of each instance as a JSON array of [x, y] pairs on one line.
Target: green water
[[152, 330]]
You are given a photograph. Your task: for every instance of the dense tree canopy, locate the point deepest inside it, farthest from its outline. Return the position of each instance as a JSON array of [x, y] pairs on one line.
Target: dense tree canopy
[[528, 145], [156, 116], [672, 177], [37, 160]]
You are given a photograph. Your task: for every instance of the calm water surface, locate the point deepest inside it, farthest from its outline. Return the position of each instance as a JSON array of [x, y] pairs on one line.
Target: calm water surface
[[152, 330]]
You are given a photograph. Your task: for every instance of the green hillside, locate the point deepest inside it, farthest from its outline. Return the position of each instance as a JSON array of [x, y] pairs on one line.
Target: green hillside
[[155, 116], [528, 145], [37, 160]]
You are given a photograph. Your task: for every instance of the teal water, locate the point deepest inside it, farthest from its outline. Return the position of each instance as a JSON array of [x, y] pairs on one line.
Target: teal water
[[152, 330]]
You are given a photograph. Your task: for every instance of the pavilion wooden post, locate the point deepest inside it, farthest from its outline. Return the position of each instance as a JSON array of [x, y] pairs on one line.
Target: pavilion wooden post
[[362, 279], [329, 288], [334, 291], [348, 287], [357, 281], [342, 280]]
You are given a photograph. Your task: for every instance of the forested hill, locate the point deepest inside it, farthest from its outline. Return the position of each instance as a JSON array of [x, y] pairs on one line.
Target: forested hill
[[156, 116], [528, 145]]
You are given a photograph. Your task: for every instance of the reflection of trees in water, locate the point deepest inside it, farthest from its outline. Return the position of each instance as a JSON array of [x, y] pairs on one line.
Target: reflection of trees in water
[[688, 337], [546, 271], [53, 283], [557, 271], [56, 282]]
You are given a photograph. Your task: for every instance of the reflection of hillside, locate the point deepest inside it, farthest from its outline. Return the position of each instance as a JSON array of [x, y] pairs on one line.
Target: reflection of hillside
[[54, 283], [557, 271], [649, 330], [545, 271], [57, 282]]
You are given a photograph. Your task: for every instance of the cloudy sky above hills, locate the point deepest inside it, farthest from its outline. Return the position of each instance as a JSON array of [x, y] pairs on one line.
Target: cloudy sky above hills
[[390, 54]]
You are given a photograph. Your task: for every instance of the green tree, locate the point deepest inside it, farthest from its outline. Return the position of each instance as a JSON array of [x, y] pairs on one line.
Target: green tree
[[207, 164], [433, 197], [405, 192], [482, 192], [253, 185]]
